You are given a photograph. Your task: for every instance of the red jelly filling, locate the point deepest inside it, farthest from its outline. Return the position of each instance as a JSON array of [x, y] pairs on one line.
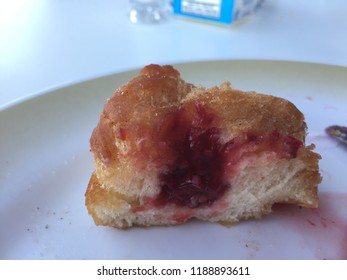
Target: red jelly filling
[[196, 176]]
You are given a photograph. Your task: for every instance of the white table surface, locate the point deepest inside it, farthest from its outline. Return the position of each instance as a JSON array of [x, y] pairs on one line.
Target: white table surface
[[47, 44]]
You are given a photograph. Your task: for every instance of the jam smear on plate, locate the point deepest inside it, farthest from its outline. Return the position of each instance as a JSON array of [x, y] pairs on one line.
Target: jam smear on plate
[[322, 230]]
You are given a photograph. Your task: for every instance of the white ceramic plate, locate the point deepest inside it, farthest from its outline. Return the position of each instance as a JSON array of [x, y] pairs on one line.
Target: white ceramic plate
[[45, 165]]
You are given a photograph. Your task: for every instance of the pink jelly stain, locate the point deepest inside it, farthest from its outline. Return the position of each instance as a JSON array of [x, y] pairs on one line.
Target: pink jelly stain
[[324, 230], [322, 141]]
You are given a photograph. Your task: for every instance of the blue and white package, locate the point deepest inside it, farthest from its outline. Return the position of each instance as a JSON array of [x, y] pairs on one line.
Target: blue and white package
[[217, 11]]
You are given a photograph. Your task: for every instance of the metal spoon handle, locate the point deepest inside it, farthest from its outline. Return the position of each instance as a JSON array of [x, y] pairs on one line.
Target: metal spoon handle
[[338, 132]]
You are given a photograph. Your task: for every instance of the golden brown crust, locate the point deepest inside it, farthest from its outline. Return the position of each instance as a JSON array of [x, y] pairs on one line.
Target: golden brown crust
[[95, 195], [250, 111], [311, 177], [136, 108]]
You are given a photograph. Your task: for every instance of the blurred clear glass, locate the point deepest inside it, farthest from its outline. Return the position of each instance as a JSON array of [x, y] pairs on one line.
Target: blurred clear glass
[[150, 11]]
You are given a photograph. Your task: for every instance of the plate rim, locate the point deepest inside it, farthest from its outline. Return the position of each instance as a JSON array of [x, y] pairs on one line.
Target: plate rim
[[70, 83]]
